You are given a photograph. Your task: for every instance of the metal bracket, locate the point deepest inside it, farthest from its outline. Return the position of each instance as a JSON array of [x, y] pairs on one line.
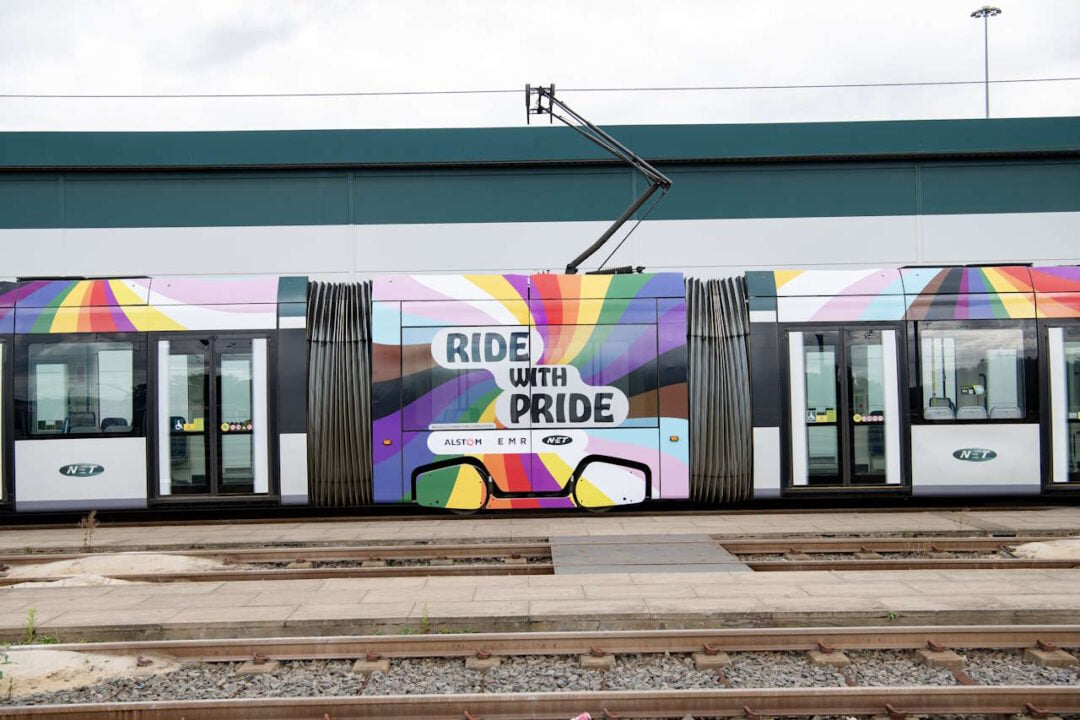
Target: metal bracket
[[547, 104]]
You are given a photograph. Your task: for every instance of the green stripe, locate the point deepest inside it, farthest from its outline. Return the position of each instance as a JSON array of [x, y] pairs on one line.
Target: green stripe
[[920, 138], [816, 190], [1014, 182]]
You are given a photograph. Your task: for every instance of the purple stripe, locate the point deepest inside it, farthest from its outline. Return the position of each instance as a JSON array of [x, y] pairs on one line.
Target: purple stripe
[[386, 428], [123, 323], [671, 336], [40, 293], [663, 285]]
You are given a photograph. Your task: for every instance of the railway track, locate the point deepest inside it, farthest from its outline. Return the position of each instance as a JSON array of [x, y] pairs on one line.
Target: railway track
[[895, 701], [534, 558]]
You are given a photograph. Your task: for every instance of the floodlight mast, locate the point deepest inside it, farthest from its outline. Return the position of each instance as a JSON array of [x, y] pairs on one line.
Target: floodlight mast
[[547, 103]]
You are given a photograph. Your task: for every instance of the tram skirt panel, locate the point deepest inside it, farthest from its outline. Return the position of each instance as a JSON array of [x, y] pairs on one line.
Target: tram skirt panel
[[339, 394], [721, 433]]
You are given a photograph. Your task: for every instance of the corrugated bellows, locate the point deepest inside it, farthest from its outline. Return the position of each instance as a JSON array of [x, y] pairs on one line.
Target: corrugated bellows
[[721, 434], [339, 394]]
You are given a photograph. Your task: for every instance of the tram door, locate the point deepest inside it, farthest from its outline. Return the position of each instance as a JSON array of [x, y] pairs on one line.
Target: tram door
[[844, 400], [5, 353], [212, 416], [1063, 352]]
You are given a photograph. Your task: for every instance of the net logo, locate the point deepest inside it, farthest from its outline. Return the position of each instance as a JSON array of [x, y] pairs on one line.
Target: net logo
[[974, 454], [557, 440], [81, 470]]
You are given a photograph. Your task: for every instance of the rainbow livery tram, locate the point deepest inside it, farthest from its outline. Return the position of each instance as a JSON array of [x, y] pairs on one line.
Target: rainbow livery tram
[[544, 391]]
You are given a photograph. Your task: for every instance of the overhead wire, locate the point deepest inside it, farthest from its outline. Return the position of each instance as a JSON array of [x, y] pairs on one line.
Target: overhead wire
[[495, 91]]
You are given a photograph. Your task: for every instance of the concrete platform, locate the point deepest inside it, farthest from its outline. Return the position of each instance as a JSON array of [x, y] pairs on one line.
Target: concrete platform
[[590, 600], [569, 602], [676, 553], [1054, 520]]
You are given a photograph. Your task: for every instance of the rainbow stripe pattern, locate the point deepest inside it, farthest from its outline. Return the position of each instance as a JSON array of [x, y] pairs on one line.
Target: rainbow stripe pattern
[[626, 332], [952, 293], [142, 304]]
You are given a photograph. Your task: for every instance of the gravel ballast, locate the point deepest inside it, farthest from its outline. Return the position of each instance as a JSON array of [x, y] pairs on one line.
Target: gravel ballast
[[519, 674]]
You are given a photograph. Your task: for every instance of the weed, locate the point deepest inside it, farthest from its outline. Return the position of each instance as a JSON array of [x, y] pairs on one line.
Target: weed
[[31, 636], [88, 525], [406, 630], [892, 615], [425, 621]]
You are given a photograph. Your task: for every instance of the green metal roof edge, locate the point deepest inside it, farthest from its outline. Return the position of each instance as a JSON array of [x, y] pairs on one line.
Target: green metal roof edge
[[529, 145]]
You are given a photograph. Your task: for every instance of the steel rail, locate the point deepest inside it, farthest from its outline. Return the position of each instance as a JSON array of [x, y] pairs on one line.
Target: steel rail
[[315, 551], [612, 642], [893, 701], [343, 552], [877, 544], [912, 564], [257, 574], [465, 569]]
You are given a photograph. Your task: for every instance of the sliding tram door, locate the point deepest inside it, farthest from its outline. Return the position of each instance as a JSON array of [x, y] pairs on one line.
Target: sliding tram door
[[213, 416], [844, 401], [1062, 421]]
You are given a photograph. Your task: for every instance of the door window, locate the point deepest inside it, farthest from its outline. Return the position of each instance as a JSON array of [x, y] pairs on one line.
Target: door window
[[188, 390], [235, 371], [212, 416], [972, 374], [1072, 393], [866, 390], [845, 425], [821, 352], [80, 388]]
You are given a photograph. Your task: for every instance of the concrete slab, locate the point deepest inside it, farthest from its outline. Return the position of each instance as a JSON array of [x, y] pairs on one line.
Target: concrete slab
[[691, 552], [264, 668], [1051, 658], [482, 664], [720, 524], [366, 667], [707, 661], [940, 658]]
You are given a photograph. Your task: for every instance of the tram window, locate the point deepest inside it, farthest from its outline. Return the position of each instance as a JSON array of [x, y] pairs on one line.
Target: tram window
[[972, 374], [79, 388]]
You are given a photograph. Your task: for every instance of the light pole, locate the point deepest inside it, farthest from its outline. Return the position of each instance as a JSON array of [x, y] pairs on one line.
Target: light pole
[[985, 12]]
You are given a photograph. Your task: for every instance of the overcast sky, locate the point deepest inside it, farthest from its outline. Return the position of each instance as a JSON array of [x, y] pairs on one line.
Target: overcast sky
[[276, 46]]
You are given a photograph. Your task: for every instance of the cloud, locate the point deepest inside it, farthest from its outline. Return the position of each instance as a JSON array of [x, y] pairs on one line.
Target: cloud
[[206, 46]]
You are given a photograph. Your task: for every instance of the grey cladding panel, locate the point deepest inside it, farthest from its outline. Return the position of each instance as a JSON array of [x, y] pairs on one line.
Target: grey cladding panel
[[292, 381], [765, 374]]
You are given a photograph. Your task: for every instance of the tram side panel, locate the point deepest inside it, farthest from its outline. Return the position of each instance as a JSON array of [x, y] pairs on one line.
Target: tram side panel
[[975, 402], [291, 386], [1057, 300], [80, 395], [920, 380], [766, 385], [542, 391], [831, 343], [149, 390]]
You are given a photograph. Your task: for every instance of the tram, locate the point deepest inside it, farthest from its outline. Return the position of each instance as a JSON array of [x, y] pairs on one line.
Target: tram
[[504, 392]]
